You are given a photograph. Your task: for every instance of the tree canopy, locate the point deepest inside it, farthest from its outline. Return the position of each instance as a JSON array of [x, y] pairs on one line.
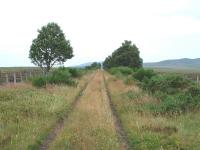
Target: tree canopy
[[50, 47], [126, 55]]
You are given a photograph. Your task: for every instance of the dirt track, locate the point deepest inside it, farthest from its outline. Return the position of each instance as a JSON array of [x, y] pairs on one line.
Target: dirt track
[[92, 113]]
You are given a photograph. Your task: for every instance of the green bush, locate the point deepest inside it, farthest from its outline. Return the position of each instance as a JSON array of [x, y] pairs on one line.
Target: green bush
[[194, 91], [143, 74], [61, 76], [39, 81], [175, 93], [121, 70], [178, 103], [75, 72], [57, 76], [167, 83]]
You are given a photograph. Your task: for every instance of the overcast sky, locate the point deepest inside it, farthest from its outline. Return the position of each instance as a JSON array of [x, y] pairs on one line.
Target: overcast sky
[[161, 29]]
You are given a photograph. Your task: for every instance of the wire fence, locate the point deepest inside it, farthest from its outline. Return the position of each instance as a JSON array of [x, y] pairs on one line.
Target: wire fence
[[18, 76]]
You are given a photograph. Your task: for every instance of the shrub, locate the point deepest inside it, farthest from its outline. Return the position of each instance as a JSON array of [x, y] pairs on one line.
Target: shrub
[[57, 76], [121, 70], [75, 72], [175, 93], [143, 74], [167, 83], [61, 76], [194, 91], [39, 81], [180, 102]]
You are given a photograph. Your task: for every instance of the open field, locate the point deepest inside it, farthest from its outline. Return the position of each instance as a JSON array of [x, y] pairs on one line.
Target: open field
[[103, 112], [28, 114], [190, 73], [148, 131]]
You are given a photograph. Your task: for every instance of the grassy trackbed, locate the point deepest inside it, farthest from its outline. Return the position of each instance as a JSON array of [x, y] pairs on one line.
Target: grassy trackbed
[[152, 132], [91, 124], [28, 114]]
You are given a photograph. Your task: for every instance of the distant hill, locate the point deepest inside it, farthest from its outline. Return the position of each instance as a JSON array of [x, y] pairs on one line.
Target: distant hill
[[85, 65], [184, 63]]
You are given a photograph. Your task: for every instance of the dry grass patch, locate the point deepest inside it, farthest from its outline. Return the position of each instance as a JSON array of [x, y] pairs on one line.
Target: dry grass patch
[[91, 125], [27, 114]]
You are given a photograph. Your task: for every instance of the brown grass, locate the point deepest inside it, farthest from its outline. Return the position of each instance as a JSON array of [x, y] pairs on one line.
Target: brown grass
[[27, 114], [91, 125]]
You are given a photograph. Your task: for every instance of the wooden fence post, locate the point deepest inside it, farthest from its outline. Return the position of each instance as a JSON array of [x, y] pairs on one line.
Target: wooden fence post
[[26, 76], [197, 79], [14, 76], [6, 78], [21, 77]]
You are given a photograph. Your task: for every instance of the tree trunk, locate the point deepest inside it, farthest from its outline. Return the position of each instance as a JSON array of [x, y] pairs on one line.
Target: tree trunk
[[47, 69]]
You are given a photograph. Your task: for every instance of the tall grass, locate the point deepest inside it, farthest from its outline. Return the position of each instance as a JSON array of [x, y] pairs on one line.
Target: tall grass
[[149, 131], [27, 114], [90, 125], [175, 93]]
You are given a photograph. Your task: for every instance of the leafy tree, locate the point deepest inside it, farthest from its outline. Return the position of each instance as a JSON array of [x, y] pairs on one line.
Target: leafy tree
[[126, 55], [50, 47]]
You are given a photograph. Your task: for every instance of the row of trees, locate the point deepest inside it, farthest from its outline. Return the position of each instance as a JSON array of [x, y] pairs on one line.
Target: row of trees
[[51, 47]]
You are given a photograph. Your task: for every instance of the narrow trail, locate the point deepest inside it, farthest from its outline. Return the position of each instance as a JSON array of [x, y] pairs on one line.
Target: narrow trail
[[60, 124], [118, 125], [92, 122]]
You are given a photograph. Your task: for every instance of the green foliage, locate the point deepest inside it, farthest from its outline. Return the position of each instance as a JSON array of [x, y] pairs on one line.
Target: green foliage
[[50, 47], [178, 103], [131, 95], [39, 81], [121, 70], [75, 72], [61, 76], [176, 93], [126, 55], [58, 76], [167, 83], [157, 123], [143, 74]]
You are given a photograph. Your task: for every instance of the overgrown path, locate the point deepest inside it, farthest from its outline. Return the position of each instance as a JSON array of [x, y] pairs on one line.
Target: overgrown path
[[92, 124], [118, 125], [60, 124]]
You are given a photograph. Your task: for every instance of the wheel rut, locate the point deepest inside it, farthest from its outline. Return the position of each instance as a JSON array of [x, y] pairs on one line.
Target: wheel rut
[[60, 124], [122, 136], [95, 101]]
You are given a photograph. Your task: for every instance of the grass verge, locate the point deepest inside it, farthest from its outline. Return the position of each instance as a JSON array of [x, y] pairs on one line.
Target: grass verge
[[149, 131], [28, 114]]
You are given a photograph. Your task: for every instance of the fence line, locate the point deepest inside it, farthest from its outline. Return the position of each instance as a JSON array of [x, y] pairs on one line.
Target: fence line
[[17, 76]]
